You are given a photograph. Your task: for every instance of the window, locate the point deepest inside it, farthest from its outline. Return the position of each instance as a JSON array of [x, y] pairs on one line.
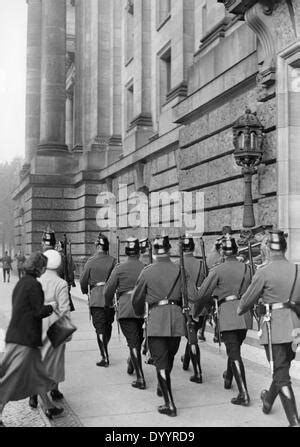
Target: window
[[163, 8], [129, 104], [165, 75]]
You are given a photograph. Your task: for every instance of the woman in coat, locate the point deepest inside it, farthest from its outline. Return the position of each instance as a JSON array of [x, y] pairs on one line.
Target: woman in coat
[[22, 372], [55, 289]]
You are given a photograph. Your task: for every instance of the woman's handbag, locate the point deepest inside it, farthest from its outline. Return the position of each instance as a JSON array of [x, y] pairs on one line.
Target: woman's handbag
[[60, 331]]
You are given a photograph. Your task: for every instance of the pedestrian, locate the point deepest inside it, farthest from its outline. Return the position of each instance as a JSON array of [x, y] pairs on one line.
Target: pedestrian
[[6, 266], [92, 281], [159, 287], [20, 258], [278, 284], [122, 282], [22, 372], [195, 269], [55, 290], [228, 281]]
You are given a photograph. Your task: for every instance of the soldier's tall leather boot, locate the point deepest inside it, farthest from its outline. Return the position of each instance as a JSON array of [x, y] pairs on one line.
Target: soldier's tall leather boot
[[268, 398], [164, 381], [195, 358], [228, 375], [239, 375], [136, 358], [102, 343], [201, 336], [287, 398], [186, 358]]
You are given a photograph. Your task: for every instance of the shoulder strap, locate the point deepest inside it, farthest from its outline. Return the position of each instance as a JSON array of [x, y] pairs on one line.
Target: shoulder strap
[[174, 284], [294, 283], [200, 268], [243, 280], [110, 270]]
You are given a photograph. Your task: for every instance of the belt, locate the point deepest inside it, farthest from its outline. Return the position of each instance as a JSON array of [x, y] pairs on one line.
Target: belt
[[275, 306], [228, 298], [97, 284], [129, 292], [165, 303]]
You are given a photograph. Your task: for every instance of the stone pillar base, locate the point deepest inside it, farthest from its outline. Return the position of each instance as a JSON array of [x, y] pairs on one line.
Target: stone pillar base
[[54, 162], [93, 160]]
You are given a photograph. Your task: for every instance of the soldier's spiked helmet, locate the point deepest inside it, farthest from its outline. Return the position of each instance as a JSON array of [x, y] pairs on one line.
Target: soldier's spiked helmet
[[102, 241], [229, 246], [277, 240], [133, 246], [144, 245], [188, 244], [161, 245], [49, 238]]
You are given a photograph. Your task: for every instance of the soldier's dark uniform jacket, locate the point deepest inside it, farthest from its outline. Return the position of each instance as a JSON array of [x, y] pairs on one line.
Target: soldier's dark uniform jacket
[[123, 279], [274, 283], [223, 281], [153, 285], [96, 272]]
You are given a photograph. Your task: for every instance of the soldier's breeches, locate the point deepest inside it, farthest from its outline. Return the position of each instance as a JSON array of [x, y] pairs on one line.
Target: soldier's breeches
[[163, 351], [132, 329], [282, 358], [102, 320], [233, 341]]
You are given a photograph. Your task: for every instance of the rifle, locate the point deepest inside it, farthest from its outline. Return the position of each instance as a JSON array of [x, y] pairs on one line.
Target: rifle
[[116, 305], [190, 325], [202, 247], [251, 263], [150, 251], [68, 270], [89, 294]]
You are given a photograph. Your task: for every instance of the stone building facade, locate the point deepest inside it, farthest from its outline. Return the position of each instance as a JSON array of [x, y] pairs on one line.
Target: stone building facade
[[145, 93]]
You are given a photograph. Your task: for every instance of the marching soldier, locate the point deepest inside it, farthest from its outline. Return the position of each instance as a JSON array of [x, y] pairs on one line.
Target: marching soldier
[[228, 281], [279, 285], [122, 280], [159, 286], [195, 270], [92, 281]]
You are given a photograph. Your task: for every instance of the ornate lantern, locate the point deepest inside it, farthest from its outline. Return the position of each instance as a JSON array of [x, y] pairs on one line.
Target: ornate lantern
[[247, 140]]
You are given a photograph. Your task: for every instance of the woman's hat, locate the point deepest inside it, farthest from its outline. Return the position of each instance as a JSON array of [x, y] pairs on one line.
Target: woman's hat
[[54, 259]]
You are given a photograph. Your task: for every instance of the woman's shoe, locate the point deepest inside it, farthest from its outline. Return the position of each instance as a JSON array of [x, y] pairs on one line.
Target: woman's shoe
[[140, 384], [56, 395], [54, 411], [167, 410], [103, 362]]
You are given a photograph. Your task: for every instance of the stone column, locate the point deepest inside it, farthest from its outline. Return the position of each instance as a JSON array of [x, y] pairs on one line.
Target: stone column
[[53, 71], [114, 149], [142, 62], [78, 83], [33, 78]]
